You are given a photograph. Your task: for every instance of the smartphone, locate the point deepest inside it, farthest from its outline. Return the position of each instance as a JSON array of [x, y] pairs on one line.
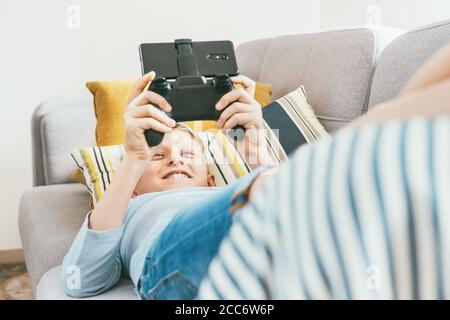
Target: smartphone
[[213, 57]]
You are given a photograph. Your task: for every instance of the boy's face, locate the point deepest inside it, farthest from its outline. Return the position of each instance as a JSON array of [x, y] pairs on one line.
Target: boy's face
[[178, 162]]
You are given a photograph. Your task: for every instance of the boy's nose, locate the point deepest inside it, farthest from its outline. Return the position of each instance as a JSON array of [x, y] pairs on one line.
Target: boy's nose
[[176, 159], [172, 162]]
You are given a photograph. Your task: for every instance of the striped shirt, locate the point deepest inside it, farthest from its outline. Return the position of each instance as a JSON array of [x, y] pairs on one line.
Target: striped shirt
[[361, 215]]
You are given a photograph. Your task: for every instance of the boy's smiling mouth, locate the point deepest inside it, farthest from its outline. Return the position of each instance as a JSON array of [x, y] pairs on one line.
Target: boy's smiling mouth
[[177, 174]]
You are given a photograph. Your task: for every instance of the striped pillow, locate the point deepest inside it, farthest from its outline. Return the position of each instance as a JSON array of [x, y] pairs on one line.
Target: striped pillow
[[292, 122], [99, 164]]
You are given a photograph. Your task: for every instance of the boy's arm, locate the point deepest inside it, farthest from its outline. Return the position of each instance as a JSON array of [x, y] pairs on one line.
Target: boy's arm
[[140, 115], [110, 211]]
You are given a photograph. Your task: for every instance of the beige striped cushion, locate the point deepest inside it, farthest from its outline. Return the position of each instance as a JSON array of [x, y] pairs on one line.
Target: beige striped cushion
[[296, 104], [290, 121], [98, 165]]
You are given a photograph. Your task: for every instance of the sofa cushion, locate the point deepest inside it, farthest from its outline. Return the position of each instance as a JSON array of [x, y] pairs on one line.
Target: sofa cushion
[[49, 219], [49, 288], [403, 56]]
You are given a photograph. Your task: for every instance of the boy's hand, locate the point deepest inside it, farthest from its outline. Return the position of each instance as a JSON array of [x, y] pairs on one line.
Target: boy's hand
[[141, 115], [240, 108]]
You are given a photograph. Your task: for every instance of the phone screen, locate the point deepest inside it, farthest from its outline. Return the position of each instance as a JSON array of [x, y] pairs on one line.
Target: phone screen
[[213, 57]]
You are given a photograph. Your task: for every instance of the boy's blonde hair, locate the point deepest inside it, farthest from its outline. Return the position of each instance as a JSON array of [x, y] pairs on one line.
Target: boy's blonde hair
[[192, 133]]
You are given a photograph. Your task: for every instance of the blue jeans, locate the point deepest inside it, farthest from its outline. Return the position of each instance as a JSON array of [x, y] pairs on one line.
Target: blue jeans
[[179, 258]]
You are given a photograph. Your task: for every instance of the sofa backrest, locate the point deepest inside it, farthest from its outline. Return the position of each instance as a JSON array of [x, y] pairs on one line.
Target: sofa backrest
[[335, 67], [59, 125], [403, 56]]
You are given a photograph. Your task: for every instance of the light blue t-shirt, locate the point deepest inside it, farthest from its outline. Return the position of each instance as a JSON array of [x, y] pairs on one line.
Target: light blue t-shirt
[[100, 257], [155, 210], [97, 259]]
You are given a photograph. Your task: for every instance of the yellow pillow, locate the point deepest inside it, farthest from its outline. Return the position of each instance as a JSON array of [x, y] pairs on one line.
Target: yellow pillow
[[110, 98], [263, 93]]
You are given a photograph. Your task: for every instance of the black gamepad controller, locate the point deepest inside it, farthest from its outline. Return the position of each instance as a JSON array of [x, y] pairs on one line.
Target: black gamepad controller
[[192, 98]]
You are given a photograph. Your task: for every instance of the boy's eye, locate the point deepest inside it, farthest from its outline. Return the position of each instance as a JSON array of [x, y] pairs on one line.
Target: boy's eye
[[158, 155], [188, 154]]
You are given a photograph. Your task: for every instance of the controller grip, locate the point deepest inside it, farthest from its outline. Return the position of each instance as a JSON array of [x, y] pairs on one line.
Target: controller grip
[[153, 137], [237, 133]]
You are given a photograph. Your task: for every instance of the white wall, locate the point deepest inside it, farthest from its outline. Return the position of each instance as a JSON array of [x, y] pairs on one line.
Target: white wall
[[402, 14], [41, 58]]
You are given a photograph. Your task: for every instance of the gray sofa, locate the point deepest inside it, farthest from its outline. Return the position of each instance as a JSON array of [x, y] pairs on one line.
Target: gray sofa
[[345, 72]]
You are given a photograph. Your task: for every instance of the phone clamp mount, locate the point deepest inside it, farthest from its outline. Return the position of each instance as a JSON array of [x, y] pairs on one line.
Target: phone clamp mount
[[191, 95]]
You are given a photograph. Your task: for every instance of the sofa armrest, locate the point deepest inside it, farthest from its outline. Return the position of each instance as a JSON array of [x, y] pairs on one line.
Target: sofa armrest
[[49, 219]]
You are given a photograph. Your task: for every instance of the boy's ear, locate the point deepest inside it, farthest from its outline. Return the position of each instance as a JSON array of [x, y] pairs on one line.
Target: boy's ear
[[211, 181]]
